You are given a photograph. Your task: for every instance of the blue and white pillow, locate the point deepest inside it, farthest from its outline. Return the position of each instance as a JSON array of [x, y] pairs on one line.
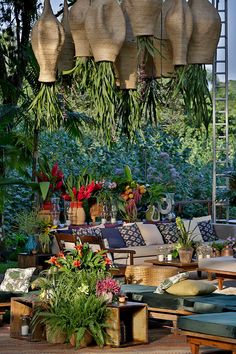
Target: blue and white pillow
[[132, 236]]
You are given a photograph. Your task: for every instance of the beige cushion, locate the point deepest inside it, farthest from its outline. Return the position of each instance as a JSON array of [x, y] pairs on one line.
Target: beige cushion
[[17, 279], [151, 234], [191, 287], [68, 245], [193, 227]]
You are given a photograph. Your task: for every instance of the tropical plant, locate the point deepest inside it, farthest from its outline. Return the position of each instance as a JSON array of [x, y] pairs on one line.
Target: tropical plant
[[186, 236], [28, 222]]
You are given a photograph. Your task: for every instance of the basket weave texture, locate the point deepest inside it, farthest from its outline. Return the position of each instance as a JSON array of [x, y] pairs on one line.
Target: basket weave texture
[[47, 39], [66, 57], [105, 28], [206, 32], [179, 27], [148, 274], [77, 17], [143, 15]]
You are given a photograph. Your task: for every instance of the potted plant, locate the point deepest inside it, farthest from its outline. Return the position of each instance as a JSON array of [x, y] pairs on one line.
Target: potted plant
[[185, 244]]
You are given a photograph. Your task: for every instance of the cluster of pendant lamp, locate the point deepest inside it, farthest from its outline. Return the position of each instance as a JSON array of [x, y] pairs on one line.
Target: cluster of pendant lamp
[[183, 32]]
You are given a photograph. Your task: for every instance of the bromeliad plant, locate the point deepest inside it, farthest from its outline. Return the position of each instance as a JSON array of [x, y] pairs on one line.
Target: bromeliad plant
[[81, 257]]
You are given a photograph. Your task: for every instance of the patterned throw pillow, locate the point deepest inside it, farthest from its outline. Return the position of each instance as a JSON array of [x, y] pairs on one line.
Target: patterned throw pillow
[[169, 231], [132, 236], [168, 282], [89, 231], [207, 231], [17, 280]]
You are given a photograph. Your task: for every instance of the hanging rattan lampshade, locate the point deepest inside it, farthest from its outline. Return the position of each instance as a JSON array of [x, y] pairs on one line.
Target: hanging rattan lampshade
[[77, 17], [127, 61], [66, 57], [105, 28], [47, 38], [143, 15], [206, 32], [179, 27]]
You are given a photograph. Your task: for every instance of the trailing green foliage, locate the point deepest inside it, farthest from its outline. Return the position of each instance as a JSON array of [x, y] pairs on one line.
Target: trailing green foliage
[[146, 46]]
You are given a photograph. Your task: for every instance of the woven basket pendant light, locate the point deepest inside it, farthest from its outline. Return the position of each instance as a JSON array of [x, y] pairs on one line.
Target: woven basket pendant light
[[179, 27], [47, 39], [77, 17], [143, 15], [105, 28], [127, 61], [206, 32], [66, 58]]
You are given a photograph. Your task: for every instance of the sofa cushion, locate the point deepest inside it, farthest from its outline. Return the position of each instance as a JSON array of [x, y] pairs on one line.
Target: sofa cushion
[[216, 324], [89, 231], [169, 231], [191, 287], [207, 231], [17, 280], [151, 234], [168, 282], [192, 225], [114, 238], [131, 235]]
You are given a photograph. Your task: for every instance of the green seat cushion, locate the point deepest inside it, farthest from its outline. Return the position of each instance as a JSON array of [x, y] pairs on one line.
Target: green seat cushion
[[216, 324], [210, 303], [7, 295]]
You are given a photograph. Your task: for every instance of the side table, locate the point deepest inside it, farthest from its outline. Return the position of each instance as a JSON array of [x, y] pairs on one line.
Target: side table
[[127, 324], [21, 306], [33, 260]]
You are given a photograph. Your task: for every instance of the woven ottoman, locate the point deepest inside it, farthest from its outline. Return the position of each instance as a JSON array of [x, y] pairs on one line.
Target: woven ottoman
[[148, 274]]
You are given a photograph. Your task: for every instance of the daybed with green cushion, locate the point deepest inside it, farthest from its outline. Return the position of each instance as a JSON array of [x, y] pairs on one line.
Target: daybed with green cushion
[[215, 329], [170, 307]]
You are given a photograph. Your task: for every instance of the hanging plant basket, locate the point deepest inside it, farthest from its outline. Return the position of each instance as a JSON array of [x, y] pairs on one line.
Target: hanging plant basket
[[47, 39], [66, 58], [179, 27], [143, 15], [77, 15], [206, 32], [105, 28]]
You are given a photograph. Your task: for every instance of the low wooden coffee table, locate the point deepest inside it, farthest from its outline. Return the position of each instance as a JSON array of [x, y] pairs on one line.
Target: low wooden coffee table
[[176, 263]]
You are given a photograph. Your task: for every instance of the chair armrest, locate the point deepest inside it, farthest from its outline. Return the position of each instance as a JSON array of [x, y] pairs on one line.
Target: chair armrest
[[130, 252]]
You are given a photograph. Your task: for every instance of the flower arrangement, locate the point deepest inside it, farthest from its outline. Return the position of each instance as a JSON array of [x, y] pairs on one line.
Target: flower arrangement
[[231, 242], [132, 195], [81, 257], [51, 180], [108, 288]]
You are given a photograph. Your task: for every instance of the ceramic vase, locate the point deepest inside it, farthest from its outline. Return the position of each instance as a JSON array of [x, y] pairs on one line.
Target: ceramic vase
[[206, 32], [179, 27], [80, 214], [47, 38], [31, 245]]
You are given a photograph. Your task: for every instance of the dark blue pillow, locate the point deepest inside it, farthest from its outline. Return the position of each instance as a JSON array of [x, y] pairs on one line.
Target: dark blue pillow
[[114, 238]]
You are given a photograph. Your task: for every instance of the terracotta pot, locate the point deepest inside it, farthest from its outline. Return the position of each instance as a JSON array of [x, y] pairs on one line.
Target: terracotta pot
[[143, 15], [105, 28], [179, 27], [185, 255], [66, 57], [206, 32], [47, 38], [77, 17], [87, 339]]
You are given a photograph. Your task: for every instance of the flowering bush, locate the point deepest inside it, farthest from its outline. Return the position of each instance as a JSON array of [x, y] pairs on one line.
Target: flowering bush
[[81, 257], [107, 286]]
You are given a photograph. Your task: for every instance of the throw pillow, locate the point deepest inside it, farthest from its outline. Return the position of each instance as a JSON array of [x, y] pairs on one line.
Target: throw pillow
[[166, 283], [207, 231], [169, 231], [89, 231], [17, 280], [114, 238], [132, 236], [151, 234], [191, 287]]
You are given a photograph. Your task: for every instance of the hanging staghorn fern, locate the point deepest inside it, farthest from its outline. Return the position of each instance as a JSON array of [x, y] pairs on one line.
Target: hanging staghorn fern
[[191, 82], [82, 73], [128, 111], [151, 100]]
